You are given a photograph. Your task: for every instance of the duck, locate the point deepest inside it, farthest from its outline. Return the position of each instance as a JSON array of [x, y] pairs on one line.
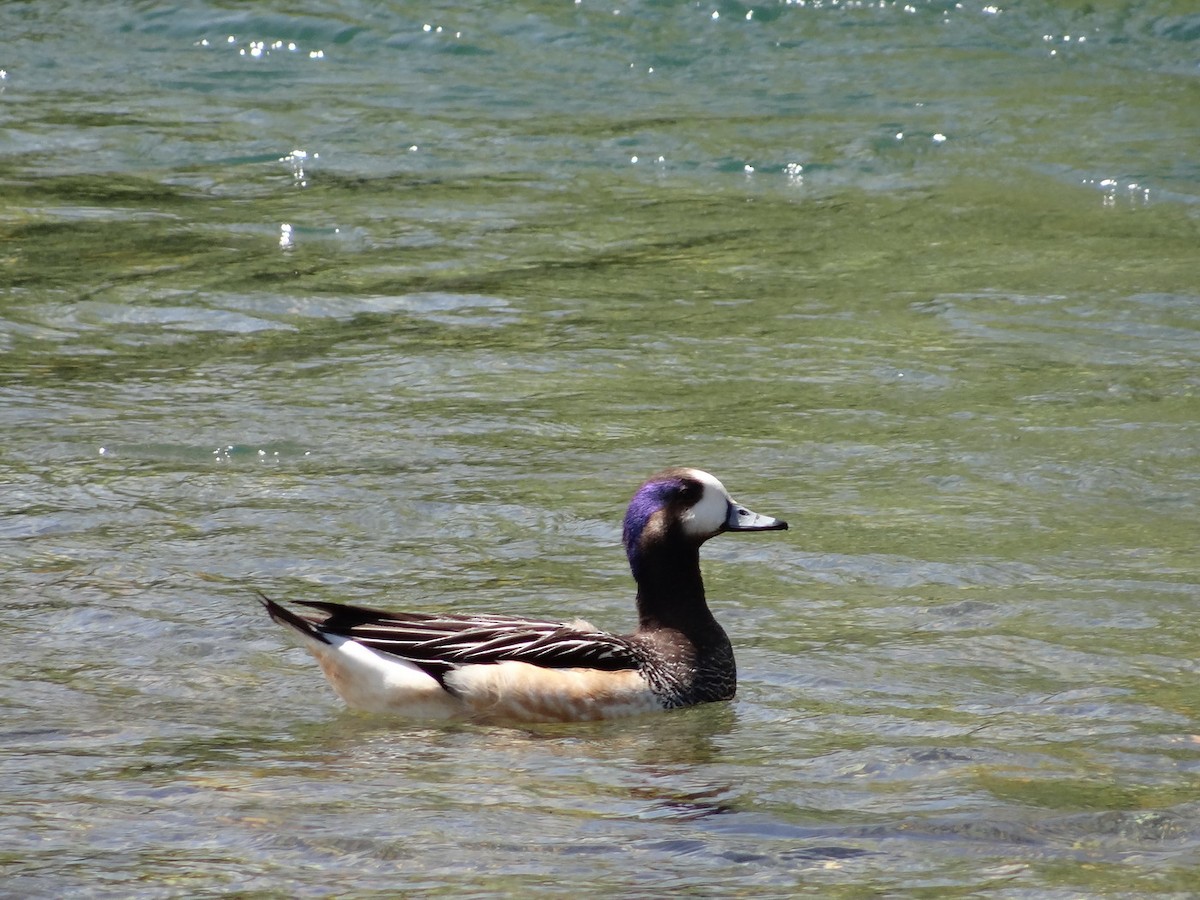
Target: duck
[[488, 667]]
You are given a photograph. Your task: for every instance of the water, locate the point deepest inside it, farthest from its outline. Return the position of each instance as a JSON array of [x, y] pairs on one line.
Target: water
[[401, 316]]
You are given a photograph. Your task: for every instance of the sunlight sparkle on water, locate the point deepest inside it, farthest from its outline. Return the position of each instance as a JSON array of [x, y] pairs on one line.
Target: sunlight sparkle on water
[[1135, 193], [437, 29], [297, 159], [258, 49]]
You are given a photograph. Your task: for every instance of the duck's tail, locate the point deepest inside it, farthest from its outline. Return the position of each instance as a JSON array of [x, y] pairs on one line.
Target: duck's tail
[[365, 679], [285, 616]]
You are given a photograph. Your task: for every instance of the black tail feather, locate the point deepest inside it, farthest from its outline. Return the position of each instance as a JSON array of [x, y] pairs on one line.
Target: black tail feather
[[286, 617]]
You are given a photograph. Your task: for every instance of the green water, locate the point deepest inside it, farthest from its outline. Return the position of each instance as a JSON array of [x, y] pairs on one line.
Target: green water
[[962, 362]]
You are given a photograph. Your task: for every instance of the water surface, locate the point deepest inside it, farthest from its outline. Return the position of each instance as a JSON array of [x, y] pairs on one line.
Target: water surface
[[396, 304]]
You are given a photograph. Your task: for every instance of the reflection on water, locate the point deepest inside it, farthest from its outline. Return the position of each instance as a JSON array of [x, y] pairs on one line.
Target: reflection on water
[[396, 305]]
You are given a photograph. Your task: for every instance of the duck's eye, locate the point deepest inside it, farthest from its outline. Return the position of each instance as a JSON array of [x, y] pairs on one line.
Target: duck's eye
[[743, 512]]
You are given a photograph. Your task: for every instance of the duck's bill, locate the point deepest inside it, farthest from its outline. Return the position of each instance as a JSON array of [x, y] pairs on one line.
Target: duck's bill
[[742, 519]]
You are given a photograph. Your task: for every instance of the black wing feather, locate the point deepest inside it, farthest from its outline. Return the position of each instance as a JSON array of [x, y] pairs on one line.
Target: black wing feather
[[438, 643]]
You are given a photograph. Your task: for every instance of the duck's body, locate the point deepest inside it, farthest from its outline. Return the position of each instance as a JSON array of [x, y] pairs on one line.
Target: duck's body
[[505, 667]]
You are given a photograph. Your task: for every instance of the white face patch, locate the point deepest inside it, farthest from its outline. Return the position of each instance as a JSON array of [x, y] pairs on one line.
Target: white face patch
[[707, 517]]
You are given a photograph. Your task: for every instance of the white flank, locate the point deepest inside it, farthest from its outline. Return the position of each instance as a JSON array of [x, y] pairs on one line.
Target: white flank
[[527, 693], [372, 682], [378, 683]]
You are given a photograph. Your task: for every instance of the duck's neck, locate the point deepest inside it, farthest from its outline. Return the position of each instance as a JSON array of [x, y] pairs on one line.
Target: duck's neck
[[671, 591]]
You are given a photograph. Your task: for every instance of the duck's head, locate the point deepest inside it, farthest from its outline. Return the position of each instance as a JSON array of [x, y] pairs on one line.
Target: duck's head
[[685, 507]]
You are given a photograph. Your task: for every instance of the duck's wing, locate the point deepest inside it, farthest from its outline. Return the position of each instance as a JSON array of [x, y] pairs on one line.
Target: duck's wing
[[439, 643]]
